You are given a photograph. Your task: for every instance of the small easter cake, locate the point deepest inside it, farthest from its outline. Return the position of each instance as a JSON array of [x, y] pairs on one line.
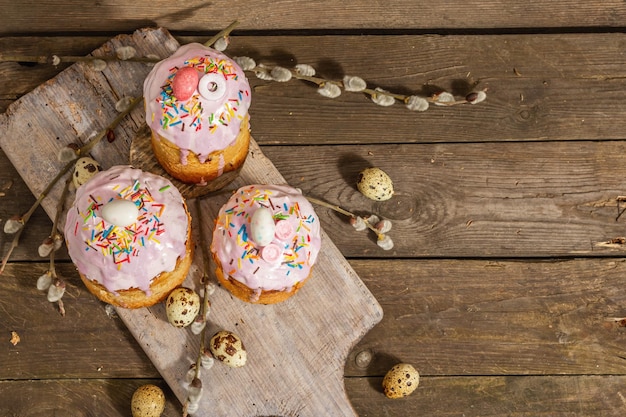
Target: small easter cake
[[129, 234], [196, 104], [265, 242]]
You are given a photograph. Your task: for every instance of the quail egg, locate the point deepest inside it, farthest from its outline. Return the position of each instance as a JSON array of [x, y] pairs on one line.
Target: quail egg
[[375, 184], [84, 169], [182, 306], [147, 401], [400, 381], [228, 348]]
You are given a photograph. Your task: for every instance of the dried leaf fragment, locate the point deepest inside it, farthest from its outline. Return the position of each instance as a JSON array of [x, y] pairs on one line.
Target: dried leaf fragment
[[15, 338]]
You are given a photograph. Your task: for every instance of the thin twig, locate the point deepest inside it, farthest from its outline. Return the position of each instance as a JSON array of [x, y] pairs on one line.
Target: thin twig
[[85, 149], [331, 206], [222, 33]]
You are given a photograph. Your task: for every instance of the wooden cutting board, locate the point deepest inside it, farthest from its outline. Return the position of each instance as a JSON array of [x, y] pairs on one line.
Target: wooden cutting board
[[296, 350]]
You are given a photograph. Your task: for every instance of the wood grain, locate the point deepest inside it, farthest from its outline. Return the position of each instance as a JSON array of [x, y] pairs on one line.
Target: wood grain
[[514, 396], [540, 87], [116, 16], [486, 321], [448, 317], [76, 398], [452, 200]]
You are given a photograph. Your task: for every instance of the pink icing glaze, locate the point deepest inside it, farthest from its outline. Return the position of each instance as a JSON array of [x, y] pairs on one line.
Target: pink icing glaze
[[199, 124], [241, 258], [126, 257]]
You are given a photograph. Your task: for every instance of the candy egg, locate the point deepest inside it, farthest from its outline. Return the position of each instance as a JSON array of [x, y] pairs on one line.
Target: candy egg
[[121, 213], [374, 183], [262, 226], [400, 381], [182, 306], [228, 348], [184, 83], [147, 401], [284, 230], [84, 169], [271, 253]]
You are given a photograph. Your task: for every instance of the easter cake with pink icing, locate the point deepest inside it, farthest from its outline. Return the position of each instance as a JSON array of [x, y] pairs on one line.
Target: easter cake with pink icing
[[129, 234], [265, 242], [196, 104]]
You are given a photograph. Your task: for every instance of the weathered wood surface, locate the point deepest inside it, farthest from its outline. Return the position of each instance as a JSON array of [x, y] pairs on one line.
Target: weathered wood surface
[[470, 319], [495, 291], [121, 16], [297, 348], [541, 87], [461, 200], [486, 396]]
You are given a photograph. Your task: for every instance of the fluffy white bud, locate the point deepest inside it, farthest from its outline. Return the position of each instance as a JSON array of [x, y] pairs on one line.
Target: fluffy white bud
[[125, 52], [372, 219], [417, 103], [443, 99], [383, 226], [198, 325], [207, 360], [383, 99], [195, 390], [385, 242], [56, 291], [191, 373], [354, 83], [245, 62], [123, 104], [12, 226], [477, 97], [44, 281], [57, 242], [330, 90], [262, 73], [280, 74], [358, 223], [46, 247], [222, 43], [305, 69], [66, 154], [210, 288], [98, 64], [192, 407]]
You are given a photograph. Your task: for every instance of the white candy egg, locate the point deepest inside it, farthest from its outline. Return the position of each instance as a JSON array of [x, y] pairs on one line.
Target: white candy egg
[[228, 348], [182, 306], [84, 169], [374, 183], [400, 381], [262, 226], [147, 401], [121, 213]]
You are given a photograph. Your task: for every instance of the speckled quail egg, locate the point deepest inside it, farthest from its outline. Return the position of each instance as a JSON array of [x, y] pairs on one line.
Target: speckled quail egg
[[228, 348], [400, 381], [84, 169], [148, 401], [374, 183], [182, 306]]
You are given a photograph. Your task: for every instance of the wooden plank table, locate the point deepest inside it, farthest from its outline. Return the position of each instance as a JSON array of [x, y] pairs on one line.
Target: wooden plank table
[[505, 285]]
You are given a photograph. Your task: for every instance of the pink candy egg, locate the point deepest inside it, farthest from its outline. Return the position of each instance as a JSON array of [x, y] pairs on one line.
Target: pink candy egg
[[271, 253], [284, 230], [184, 83]]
